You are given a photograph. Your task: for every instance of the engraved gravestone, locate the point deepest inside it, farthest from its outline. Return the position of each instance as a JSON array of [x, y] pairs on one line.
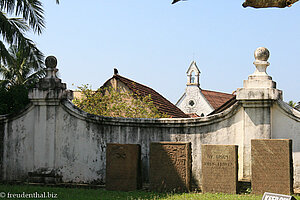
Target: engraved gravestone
[[219, 168], [123, 167], [170, 166], [272, 166]]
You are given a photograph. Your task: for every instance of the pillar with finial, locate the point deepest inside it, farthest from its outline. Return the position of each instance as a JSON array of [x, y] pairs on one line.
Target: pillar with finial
[[256, 98], [46, 98], [259, 85], [50, 88]]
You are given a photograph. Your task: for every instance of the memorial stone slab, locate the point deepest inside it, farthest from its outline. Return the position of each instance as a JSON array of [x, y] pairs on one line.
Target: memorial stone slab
[[170, 166], [123, 167], [219, 168], [271, 166]]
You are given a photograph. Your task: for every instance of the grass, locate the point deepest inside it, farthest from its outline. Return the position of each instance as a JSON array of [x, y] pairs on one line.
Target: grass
[[102, 194]]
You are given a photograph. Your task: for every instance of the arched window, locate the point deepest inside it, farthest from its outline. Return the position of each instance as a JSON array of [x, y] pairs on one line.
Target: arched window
[[193, 77]]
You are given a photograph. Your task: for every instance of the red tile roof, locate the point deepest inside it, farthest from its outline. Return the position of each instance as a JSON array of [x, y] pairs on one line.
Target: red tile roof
[[192, 115], [163, 105], [216, 99], [226, 105]]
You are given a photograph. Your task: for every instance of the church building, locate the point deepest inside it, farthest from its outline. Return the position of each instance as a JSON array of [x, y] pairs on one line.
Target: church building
[[197, 102]]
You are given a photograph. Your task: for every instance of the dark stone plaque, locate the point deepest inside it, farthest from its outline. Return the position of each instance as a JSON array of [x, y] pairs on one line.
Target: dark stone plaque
[[170, 166], [123, 167], [272, 166], [219, 168]]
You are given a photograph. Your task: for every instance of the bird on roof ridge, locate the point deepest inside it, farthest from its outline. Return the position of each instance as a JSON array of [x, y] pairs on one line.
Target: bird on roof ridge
[[116, 72]]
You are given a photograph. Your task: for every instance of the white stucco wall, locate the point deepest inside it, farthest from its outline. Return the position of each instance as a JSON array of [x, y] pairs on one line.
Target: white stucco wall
[[18, 138], [72, 142], [59, 136]]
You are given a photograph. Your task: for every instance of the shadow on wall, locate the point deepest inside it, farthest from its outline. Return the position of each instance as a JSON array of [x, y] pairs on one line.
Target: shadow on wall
[[259, 116]]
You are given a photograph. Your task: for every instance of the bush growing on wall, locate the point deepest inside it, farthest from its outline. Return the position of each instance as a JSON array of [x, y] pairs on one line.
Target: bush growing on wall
[[114, 103]]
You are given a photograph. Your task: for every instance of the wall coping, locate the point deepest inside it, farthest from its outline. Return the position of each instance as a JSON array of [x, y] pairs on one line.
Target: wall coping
[[73, 110], [288, 111]]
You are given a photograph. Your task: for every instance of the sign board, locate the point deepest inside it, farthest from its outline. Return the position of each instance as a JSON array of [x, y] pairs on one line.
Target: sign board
[[273, 196]]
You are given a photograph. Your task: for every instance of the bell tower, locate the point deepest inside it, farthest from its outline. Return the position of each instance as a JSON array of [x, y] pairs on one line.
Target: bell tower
[[193, 101], [193, 74]]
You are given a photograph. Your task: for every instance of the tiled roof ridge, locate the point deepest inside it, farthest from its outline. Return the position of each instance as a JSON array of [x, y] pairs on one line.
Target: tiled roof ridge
[[217, 92], [216, 99], [142, 86], [169, 110], [226, 105], [119, 76]]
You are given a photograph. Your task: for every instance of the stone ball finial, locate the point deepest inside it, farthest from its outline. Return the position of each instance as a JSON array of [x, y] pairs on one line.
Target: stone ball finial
[[261, 54], [51, 62]]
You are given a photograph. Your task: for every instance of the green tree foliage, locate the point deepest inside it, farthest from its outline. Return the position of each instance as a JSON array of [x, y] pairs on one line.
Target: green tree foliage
[[23, 68], [292, 104], [114, 103], [18, 76], [13, 100], [22, 64]]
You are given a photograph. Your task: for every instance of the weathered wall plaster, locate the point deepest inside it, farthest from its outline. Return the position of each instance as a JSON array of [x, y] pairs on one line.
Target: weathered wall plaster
[[73, 142]]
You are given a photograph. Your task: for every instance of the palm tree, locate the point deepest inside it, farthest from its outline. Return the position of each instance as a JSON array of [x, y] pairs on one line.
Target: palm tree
[[24, 68], [30, 15]]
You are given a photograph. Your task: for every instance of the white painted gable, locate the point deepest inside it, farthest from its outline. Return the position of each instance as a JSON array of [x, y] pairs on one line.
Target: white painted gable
[[193, 101]]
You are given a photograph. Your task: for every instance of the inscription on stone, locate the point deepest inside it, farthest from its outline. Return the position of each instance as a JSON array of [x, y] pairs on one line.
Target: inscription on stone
[[170, 166], [123, 167], [271, 166], [219, 168]]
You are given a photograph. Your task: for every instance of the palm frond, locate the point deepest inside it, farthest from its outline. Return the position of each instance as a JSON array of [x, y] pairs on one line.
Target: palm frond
[[30, 11], [7, 5], [12, 29], [35, 56], [7, 75], [20, 23], [33, 12], [4, 71], [34, 77], [5, 56]]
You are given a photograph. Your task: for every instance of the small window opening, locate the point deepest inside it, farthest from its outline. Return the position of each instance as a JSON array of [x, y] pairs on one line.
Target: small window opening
[[191, 103], [193, 77]]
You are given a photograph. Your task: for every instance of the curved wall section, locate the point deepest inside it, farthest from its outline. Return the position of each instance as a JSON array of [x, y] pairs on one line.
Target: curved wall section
[[65, 139], [61, 138]]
